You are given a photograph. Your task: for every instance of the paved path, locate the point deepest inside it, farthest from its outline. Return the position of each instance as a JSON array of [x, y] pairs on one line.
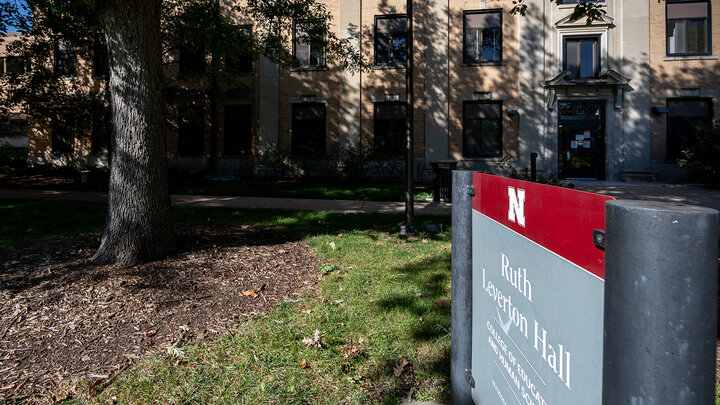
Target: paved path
[[633, 191], [347, 206]]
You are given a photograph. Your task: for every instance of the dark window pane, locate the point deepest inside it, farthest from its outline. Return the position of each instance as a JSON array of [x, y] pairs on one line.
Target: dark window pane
[[238, 130], [65, 58], [191, 133], [14, 65], [242, 61], [685, 118], [482, 129], [571, 58], [696, 36], [101, 65], [390, 40], [308, 51], [308, 130], [483, 37], [582, 56], [192, 59], [389, 138], [101, 130], [587, 58], [63, 133]]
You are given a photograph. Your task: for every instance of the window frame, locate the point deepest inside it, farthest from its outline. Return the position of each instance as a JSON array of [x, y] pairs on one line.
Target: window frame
[[597, 68], [7, 58], [376, 151], [63, 136], [293, 136], [230, 139], [302, 66], [499, 152], [481, 62], [100, 58], [248, 30], [400, 64], [185, 140], [708, 29], [191, 67], [70, 70], [671, 155]]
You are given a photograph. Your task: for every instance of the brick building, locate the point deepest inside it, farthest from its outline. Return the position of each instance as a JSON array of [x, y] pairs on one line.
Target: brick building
[[616, 99]]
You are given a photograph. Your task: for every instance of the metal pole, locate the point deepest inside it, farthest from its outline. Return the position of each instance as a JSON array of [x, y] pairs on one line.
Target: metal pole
[[533, 166], [461, 285], [410, 100], [660, 303]]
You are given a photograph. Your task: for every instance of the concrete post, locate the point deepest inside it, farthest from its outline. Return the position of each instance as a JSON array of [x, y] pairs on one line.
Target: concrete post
[[660, 303], [461, 281]]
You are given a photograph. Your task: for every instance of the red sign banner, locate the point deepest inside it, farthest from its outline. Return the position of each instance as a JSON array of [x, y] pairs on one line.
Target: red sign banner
[[560, 219]]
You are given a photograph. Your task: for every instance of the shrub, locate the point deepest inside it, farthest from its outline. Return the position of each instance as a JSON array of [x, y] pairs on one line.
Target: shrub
[[701, 159], [12, 158]]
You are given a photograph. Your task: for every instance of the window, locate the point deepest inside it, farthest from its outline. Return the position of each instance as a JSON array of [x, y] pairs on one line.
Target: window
[[482, 36], [241, 61], [308, 130], [14, 65], [191, 133], [390, 40], [100, 60], [63, 133], [582, 1], [581, 56], [238, 130], [307, 49], [192, 59], [65, 58], [482, 128], [688, 31], [685, 118], [389, 139]]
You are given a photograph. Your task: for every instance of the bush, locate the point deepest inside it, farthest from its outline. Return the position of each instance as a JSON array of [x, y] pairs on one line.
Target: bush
[[702, 158], [12, 159]]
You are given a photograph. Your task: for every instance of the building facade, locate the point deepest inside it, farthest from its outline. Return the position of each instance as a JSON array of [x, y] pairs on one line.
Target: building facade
[[615, 99]]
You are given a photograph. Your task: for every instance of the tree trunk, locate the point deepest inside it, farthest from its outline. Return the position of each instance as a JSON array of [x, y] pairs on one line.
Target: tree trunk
[[139, 225]]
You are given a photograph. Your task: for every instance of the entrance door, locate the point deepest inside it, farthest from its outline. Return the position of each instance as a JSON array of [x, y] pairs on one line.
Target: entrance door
[[581, 140]]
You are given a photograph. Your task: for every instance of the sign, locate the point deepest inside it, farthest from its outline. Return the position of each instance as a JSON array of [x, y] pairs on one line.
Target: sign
[[537, 294]]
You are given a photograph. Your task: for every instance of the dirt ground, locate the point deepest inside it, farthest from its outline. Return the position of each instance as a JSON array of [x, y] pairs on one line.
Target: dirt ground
[[63, 319]]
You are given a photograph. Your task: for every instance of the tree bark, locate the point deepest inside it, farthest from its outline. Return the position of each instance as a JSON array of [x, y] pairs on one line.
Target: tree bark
[[139, 226]]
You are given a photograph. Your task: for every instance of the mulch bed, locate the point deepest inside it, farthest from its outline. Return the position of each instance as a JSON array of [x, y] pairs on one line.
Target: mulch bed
[[63, 319]]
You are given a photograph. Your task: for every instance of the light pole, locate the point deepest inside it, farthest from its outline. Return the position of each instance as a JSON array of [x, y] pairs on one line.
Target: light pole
[[408, 227]]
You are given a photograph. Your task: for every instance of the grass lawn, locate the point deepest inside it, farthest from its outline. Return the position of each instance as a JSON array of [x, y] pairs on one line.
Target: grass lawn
[[379, 308]]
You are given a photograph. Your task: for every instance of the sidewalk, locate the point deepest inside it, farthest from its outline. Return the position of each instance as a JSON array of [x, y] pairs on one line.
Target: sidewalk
[[675, 193], [346, 206]]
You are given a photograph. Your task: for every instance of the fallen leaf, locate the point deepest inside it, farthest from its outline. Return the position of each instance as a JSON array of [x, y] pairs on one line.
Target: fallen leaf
[[151, 333], [303, 363], [339, 301], [400, 367], [444, 303], [340, 235], [281, 251], [315, 341], [250, 293], [419, 294], [95, 384], [425, 241], [308, 311]]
